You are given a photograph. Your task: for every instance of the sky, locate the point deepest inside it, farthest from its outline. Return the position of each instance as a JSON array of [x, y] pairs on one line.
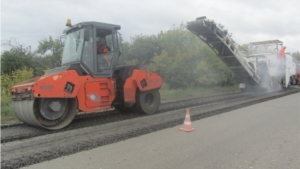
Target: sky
[[29, 21]]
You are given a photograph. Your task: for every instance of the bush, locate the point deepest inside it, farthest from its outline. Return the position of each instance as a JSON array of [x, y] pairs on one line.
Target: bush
[[6, 105], [7, 81]]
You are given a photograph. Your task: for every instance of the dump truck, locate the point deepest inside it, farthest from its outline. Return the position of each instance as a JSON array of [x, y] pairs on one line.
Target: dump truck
[[87, 81]]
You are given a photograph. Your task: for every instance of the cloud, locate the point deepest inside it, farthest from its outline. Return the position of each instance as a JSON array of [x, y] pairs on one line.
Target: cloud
[[253, 20]]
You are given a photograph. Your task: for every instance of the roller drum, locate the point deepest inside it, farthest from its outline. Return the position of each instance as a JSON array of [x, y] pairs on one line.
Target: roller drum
[[24, 110], [37, 112]]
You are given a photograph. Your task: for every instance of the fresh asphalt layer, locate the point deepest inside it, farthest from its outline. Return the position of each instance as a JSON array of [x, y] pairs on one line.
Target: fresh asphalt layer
[[264, 135]]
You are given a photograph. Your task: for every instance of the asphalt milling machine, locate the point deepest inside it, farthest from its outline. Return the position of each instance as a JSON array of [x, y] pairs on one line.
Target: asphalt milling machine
[[256, 67], [87, 81]]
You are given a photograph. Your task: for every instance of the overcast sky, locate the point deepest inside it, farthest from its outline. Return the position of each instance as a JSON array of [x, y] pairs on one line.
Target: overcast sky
[[251, 20]]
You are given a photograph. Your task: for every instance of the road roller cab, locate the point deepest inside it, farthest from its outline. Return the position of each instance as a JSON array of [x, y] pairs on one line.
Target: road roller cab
[[88, 80]]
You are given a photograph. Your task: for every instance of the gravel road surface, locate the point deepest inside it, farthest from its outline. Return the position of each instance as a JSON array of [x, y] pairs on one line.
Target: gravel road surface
[[264, 135]]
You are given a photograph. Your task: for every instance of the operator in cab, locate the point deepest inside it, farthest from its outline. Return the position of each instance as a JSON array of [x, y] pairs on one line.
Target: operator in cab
[[101, 46], [101, 49]]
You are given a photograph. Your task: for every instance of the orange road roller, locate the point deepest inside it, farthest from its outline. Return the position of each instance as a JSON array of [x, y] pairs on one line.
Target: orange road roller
[[89, 80]]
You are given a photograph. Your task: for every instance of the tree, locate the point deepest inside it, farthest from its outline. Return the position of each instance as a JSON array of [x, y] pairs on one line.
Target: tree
[[48, 55], [186, 61], [173, 69], [15, 59], [142, 49], [51, 49]]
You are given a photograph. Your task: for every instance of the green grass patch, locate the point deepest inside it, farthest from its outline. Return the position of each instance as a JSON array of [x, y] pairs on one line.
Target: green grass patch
[[179, 94], [7, 115]]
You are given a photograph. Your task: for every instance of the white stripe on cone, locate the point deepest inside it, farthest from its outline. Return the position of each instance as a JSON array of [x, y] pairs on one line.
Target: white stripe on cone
[[187, 123]]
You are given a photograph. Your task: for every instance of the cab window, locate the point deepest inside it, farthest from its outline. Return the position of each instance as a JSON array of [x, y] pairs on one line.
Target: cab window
[[88, 48], [104, 49]]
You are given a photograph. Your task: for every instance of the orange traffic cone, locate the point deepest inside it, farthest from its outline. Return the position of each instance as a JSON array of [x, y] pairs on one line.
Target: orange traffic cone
[[187, 125]]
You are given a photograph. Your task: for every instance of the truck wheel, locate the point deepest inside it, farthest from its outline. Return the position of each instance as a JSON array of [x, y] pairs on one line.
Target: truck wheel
[[293, 81], [283, 83], [147, 102]]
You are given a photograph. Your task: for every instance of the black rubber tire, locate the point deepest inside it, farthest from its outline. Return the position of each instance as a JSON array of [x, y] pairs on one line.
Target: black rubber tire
[[147, 102], [293, 81], [283, 83]]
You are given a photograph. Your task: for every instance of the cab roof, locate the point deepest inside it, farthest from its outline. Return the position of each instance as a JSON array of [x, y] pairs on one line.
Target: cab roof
[[265, 42], [93, 24]]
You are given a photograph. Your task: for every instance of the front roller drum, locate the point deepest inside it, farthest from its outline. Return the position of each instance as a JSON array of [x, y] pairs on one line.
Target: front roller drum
[[49, 113]]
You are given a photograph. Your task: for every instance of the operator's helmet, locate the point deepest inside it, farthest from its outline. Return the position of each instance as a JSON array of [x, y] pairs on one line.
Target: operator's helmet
[[101, 41]]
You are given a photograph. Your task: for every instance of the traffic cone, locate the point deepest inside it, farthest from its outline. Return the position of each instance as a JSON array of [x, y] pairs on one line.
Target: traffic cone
[[187, 125]]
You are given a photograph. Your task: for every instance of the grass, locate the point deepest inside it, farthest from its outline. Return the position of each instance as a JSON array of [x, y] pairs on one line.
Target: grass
[[8, 117], [11, 119], [172, 94]]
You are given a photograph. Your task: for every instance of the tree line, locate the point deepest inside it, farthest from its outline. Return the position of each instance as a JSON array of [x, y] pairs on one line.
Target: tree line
[[180, 57], [177, 55], [46, 56]]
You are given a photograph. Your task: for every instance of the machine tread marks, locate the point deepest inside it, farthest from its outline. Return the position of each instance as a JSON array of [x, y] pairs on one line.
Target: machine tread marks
[[147, 102]]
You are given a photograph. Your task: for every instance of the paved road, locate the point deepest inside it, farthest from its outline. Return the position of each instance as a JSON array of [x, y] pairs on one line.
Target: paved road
[[265, 135]]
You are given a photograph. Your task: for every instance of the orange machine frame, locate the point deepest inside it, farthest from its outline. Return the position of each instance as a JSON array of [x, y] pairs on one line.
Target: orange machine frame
[[92, 94]]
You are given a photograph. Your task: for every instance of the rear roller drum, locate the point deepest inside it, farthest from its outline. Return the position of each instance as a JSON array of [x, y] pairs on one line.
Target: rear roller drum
[[49, 113], [147, 102]]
